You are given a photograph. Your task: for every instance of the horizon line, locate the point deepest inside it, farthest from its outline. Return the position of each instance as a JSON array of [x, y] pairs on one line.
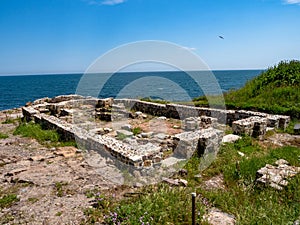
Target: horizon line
[[142, 71]]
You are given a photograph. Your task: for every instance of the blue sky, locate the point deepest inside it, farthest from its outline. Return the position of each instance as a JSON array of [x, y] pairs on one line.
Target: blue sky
[[52, 36]]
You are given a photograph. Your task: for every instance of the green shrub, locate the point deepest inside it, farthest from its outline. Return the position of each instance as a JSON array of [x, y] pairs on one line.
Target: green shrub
[[277, 91]]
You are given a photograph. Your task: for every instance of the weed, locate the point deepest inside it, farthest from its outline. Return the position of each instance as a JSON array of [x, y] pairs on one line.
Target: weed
[[33, 200], [58, 214], [3, 136], [59, 190], [136, 130], [8, 200]]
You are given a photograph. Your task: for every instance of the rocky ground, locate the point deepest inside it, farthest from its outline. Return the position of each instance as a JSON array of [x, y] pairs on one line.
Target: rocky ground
[[51, 183]]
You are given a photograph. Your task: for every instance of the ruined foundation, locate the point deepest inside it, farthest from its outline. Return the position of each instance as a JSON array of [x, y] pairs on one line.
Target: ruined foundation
[[74, 117]]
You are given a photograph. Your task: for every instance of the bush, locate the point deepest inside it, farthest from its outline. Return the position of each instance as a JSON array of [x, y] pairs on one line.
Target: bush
[[275, 91]]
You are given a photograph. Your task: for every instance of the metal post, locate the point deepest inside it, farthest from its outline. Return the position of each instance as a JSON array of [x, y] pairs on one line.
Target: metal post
[[194, 208]]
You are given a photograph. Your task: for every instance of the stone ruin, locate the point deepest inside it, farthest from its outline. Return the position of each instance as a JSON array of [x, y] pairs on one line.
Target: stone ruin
[[100, 124], [277, 176]]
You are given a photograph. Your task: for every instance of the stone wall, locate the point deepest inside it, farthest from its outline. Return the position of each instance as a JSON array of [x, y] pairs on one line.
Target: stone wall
[[48, 112], [138, 155], [182, 112], [253, 126]]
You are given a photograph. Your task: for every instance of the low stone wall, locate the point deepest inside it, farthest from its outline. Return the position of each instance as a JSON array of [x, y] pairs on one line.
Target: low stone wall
[[138, 155], [254, 126], [182, 112], [47, 112]]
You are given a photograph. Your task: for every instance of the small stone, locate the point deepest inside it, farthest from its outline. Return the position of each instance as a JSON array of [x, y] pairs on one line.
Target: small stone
[[125, 133], [171, 181], [138, 114], [162, 118], [241, 153], [146, 135], [176, 127], [126, 127], [138, 185], [160, 136], [230, 138], [281, 162], [183, 182], [217, 217]]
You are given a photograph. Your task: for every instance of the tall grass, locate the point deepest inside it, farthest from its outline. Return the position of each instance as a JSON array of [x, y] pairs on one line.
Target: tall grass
[[276, 91]]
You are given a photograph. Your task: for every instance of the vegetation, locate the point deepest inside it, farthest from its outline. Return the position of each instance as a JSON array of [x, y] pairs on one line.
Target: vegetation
[[3, 136], [277, 91], [46, 137], [248, 201], [149, 99], [154, 205], [8, 200], [9, 121], [136, 130]]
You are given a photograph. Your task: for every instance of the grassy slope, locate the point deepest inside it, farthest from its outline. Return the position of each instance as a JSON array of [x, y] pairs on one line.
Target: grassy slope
[[276, 90], [248, 201]]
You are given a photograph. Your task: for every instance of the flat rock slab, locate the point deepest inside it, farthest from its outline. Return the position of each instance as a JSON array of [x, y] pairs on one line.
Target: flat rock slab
[[216, 182], [230, 138], [125, 133], [217, 217]]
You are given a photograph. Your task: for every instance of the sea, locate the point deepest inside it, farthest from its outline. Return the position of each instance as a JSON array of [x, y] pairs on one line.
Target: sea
[[17, 90]]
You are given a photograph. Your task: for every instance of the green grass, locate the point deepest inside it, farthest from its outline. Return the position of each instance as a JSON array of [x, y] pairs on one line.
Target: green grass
[[9, 121], [45, 137], [3, 136], [8, 200], [157, 205], [159, 101], [136, 130], [276, 91], [248, 201]]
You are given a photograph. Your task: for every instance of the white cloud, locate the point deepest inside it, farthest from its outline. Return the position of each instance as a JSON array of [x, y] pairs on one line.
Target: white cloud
[[292, 1], [112, 2], [105, 2]]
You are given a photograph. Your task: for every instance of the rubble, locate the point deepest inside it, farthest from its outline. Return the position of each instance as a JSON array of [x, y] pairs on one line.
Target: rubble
[[277, 176]]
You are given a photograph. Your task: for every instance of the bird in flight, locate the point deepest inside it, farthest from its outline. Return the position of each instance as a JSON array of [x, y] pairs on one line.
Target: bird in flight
[[221, 37]]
